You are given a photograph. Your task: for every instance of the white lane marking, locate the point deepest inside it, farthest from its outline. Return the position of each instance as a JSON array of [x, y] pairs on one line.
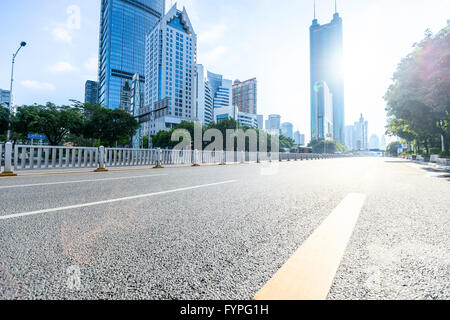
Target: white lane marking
[[80, 181], [309, 273], [77, 206]]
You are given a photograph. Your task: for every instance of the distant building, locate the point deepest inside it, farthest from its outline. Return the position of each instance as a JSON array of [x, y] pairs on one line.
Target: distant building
[[374, 142], [260, 121], [273, 124], [349, 137], [229, 112], [170, 71], [299, 138], [360, 135], [323, 124], [91, 92], [125, 96], [383, 142], [287, 130], [136, 108], [213, 91], [123, 27], [326, 47], [245, 95]]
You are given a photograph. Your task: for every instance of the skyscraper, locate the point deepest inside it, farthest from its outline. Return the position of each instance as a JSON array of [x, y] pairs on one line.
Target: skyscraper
[[123, 26], [287, 130], [245, 96], [326, 50], [170, 65], [361, 135], [91, 92], [213, 92], [323, 111], [273, 124]]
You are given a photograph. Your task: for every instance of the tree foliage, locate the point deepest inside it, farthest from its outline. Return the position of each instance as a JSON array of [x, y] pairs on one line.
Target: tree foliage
[[327, 146], [418, 101], [4, 119]]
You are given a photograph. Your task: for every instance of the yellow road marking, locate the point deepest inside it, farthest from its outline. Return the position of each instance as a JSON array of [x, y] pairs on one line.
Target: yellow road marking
[[309, 273]]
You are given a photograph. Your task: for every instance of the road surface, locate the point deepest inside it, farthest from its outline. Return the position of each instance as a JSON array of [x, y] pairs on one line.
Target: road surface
[[222, 232]]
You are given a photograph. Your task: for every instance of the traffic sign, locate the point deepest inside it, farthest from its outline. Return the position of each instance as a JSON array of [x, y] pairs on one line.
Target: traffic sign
[[37, 136]]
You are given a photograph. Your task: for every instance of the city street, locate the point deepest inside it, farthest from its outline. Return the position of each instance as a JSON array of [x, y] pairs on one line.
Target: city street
[[222, 232]]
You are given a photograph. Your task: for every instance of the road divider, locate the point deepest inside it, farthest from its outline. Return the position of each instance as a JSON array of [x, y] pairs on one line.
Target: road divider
[[309, 273]]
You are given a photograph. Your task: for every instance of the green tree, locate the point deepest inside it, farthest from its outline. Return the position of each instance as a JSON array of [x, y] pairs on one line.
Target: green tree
[[4, 119], [54, 121], [418, 102], [328, 146], [392, 148]]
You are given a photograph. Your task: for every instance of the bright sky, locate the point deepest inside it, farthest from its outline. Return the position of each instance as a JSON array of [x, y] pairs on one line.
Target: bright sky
[[267, 39]]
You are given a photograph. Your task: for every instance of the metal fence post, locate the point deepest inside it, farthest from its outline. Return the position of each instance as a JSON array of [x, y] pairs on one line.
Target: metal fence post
[[101, 160], [222, 158], [7, 172], [158, 164], [195, 160]]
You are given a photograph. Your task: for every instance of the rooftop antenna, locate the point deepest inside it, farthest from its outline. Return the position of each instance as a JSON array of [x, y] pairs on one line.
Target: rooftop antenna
[[314, 9]]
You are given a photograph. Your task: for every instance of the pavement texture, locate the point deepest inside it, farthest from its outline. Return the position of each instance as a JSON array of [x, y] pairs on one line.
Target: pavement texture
[[221, 232]]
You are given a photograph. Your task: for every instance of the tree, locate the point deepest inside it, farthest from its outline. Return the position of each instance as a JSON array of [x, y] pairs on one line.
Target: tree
[[52, 120], [4, 119], [392, 148], [328, 146], [418, 102], [111, 127]]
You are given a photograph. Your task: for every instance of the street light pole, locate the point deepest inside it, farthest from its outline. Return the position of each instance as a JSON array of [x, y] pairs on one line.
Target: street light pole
[[22, 44]]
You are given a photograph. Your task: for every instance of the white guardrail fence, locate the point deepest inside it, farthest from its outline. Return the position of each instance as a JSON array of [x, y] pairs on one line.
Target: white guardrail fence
[[25, 157]]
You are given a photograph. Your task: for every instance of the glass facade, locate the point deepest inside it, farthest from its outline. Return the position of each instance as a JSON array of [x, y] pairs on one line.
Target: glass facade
[[123, 27], [326, 65]]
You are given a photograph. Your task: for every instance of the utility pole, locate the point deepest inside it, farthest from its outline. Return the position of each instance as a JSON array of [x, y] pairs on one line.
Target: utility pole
[[11, 109]]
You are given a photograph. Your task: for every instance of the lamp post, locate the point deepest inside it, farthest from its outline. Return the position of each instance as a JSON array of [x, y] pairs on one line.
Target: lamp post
[[22, 44]]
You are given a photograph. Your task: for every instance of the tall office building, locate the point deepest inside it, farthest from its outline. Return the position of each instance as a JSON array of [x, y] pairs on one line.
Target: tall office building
[[123, 26], [349, 137], [326, 50], [170, 66], [213, 92], [323, 112], [299, 138], [287, 130], [260, 118], [91, 92], [245, 96], [360, 135], [273, 124]]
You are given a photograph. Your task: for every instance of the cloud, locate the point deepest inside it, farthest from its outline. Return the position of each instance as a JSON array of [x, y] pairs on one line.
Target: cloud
[[37, 85], [91, 64], [61, 35], [63, 66], [212, 35], [213, 54]]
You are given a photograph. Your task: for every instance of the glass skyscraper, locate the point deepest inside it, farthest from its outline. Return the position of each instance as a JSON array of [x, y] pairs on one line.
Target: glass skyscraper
[[326, 45], [123, 27]]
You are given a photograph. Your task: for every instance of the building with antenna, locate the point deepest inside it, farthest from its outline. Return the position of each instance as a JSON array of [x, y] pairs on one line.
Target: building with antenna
[[326, 50]]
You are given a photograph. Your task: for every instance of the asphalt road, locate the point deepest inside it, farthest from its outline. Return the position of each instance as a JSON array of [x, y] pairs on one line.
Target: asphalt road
[[221, 232]]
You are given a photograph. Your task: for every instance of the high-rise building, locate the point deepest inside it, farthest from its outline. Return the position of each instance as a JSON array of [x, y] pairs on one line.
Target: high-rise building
[[360, 135], [349, 137], [383, 142], [91, 92], [299, 138], [273, 124], [170, 66], [213, 91], [123, 26], [125, 96], [326, 50], [374, 142], [136, 107], [245, 96], [260, 118], [323, 112], [4, 98], [287, 130]]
